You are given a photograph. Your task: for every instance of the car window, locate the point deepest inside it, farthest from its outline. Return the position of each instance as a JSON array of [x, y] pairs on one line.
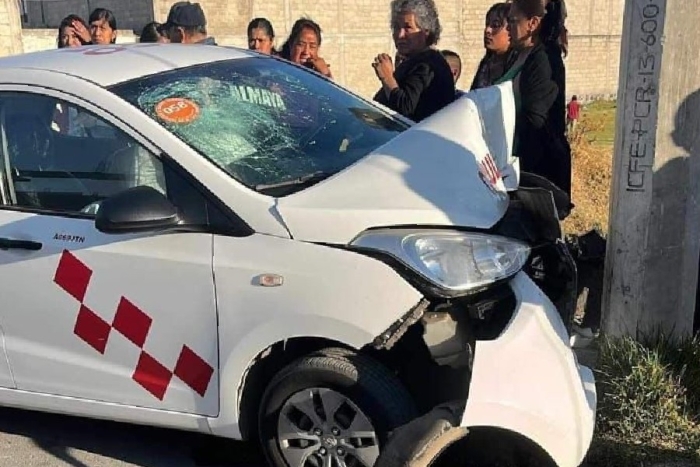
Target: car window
[[71, 120], [262, 120], [46, 166]]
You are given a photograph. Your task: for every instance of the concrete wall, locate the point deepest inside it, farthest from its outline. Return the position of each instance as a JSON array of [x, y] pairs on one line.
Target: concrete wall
[[131, 14], [10, 28], [35, 40], [354, 31]]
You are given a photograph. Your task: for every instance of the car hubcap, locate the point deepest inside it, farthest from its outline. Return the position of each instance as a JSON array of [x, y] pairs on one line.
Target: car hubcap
[[320, 427]]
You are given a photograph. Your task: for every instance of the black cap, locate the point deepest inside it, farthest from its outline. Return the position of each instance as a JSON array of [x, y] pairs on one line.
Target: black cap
[[187, 15]]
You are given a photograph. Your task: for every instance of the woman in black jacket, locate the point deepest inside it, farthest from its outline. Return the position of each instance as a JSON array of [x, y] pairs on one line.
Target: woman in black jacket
[[557, 46], [499, 54], [540, 140], [422, 84]]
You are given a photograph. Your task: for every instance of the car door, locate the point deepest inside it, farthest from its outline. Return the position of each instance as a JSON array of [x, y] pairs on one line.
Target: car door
[[127, 319], [6, 379]]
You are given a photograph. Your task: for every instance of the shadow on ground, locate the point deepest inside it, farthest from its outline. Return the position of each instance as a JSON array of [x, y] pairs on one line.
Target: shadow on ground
[[608, 453], [61, 436]]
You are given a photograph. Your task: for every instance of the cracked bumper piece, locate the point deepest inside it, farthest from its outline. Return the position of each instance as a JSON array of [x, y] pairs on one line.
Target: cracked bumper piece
[[528, 381]]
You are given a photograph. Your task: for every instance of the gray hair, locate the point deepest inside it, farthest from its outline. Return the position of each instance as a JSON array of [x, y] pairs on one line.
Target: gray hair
[[426, 16]]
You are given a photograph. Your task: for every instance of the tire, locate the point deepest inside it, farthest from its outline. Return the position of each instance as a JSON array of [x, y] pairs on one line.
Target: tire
[[367, 396]]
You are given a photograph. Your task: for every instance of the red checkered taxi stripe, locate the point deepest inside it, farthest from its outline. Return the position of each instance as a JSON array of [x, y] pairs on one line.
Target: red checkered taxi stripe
[[73, 276]]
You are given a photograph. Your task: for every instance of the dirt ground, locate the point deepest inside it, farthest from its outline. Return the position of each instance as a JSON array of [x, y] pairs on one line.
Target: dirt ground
[[592, 147], [592, 153]]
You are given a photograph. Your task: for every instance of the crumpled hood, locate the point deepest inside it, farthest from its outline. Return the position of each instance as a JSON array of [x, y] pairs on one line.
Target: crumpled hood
[[440, 172]]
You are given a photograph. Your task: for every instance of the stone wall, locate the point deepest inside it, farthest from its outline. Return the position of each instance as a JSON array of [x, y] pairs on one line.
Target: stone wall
[[10, 28], [354, 31]]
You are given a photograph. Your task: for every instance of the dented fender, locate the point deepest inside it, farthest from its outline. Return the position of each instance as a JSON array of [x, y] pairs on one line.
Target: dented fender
[[361, 300], [529, 381]]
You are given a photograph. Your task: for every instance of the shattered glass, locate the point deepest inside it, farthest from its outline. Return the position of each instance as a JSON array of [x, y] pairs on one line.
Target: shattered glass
[[265, 121]]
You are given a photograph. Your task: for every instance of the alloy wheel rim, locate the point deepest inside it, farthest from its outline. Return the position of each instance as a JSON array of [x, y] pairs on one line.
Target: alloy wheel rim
[[320, 427]]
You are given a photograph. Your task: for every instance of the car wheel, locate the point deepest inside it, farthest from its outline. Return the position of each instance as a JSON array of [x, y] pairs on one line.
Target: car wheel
[[331, 408]]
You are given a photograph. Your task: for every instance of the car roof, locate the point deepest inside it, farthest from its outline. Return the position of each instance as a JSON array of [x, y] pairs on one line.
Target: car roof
[[107, 65]]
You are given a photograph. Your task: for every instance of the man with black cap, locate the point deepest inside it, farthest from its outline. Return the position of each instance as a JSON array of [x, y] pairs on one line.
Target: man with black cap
[[186, 24]]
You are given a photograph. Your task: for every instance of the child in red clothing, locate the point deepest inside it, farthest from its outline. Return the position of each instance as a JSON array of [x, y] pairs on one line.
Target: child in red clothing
[[573, 109]]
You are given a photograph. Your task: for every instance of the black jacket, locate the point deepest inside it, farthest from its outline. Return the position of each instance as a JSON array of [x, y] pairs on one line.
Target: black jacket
[[425, 84], [208, 41], [556, 63], [542, 145], [491, 68]]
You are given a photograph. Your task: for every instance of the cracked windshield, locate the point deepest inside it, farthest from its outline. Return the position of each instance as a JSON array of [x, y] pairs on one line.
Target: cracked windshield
[[267, 124]]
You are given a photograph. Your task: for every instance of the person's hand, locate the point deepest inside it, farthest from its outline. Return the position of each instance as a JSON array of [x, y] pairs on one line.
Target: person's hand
[[321, 66], [383, 67], [81, 31]]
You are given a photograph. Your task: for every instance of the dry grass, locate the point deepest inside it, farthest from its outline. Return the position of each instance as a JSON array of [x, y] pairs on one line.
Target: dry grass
[[649, 391], [649, 404], [592, 148]]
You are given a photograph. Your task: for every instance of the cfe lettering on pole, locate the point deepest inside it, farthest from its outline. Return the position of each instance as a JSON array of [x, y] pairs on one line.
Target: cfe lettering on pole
[[642, 87], [654, 236]]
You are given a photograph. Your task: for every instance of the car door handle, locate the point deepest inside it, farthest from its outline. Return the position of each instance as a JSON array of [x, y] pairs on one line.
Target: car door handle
[[10, 243]]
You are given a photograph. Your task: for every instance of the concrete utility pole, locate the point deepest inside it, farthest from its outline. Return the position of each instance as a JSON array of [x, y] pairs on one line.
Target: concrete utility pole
[[654, 239]]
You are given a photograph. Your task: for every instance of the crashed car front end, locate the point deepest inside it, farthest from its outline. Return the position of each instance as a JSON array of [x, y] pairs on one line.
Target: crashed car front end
[[446, 207], [523, 380], [528, 381], [497, 353]]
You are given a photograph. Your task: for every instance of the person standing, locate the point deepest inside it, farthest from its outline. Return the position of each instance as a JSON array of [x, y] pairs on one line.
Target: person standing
[[557, 48], [153, 33], [103, 26], [540, 141], [303, 46], [499, 54], [423, 83], [261, 36], [186, 24], [73, 32], [454, 61], [573, 110]]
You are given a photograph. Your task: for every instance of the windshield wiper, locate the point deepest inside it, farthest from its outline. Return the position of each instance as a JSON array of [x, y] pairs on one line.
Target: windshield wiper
[[304, 180]]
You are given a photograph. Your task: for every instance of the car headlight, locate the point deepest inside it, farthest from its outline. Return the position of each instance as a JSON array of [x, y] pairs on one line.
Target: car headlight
[[458, 262]]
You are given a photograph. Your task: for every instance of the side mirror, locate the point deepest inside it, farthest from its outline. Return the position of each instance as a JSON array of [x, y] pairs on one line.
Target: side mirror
[[138, 209]]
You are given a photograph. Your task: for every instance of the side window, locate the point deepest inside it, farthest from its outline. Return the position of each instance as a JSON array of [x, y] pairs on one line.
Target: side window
[[70, 120], [62, 158]]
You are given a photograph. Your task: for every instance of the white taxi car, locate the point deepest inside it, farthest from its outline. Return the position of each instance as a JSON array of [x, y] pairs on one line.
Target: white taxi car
[[213, 240]]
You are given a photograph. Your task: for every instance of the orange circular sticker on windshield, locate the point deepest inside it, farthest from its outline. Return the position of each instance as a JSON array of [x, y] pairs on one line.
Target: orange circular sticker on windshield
[[177, 110]]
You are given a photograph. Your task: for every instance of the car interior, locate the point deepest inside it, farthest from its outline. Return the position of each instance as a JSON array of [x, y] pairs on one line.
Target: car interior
[[50, 169]]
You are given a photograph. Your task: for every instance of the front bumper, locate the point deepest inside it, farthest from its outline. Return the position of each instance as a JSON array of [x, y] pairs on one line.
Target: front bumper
[[528, 381]]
